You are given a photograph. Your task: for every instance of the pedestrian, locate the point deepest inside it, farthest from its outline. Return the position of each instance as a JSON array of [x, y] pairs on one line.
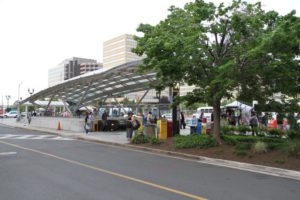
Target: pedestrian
[[264, 120], [129, 126], [88, 121], [279, 119], [104, 121], [182, 121], [253, 123], [149, 118]]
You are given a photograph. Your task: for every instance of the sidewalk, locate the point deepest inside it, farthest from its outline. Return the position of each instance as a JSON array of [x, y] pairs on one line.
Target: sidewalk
[[119, 138]]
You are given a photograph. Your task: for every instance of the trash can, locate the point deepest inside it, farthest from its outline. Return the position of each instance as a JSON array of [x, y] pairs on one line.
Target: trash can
[[169, 129], [162, 128], [199, 127], [150, 130]]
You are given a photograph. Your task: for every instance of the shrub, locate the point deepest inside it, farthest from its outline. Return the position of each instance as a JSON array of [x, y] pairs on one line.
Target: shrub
[[274, 132], [206, 142], [293, 134], [260, 147], [140, 139], [182, 142], [243, 146], [227, 130], [292, 147], [229, 140], [192, 141], [240, 153], [154, 140], [242, 129], [280, 162]]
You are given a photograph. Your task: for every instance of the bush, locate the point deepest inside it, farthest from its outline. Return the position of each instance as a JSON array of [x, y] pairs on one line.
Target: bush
[[260, 147], [242, 129], [243, 146], [140, 139], [293, 134], [240, 153], [206, 142], [229, 140], [274, 132], [227, 130], [193, 141], [154, 140], [292, 147]]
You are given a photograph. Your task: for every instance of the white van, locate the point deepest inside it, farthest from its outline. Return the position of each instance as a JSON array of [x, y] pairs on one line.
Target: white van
[[207, 111]]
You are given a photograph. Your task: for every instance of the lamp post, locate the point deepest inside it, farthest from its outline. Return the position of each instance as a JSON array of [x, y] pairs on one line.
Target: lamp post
[[30, 91], [7, 98], [19, 98], [175, 120]]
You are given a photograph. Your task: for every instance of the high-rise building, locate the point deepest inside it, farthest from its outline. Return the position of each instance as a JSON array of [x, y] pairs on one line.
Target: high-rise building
[[88, 67], [117, 51], [70, 68]]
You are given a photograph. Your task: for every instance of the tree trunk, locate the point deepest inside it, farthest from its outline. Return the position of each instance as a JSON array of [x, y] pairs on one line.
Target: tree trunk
[[217, 120]]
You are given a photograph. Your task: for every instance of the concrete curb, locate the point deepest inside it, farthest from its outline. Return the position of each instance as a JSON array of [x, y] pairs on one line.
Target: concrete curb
[[291, 174]]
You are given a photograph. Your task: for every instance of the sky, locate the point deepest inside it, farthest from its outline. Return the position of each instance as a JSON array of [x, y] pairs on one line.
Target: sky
[[36, 35]]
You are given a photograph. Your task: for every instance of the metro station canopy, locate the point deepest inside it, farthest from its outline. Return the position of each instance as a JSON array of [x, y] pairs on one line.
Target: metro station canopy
[[97, 85]]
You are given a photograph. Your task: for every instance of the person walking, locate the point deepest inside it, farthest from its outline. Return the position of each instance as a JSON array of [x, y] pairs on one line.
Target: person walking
[[88, 121]]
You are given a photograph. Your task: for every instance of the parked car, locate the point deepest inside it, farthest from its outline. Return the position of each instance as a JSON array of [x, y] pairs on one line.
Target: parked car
[[11, 114]]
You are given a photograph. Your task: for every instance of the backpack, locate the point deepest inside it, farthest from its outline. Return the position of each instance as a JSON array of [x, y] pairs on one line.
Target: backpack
[[136, 124]]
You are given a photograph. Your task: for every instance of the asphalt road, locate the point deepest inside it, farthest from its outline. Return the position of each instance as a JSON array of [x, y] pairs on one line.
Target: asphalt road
[[37, 166]]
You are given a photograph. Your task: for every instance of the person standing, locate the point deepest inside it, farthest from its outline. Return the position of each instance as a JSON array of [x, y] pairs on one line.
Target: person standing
[[253, 123], [182, 120], [104, 121], [129, 126], [88, 121]]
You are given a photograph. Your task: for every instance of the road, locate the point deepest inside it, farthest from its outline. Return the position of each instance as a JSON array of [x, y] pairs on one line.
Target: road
[[37, 166]]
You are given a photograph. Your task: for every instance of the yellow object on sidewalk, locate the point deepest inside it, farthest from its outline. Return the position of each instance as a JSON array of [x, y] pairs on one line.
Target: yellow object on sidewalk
[[162, 128]]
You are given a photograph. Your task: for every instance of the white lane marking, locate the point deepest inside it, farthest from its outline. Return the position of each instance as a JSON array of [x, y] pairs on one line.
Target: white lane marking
[[33, 137], [7, 153], [25, 136]]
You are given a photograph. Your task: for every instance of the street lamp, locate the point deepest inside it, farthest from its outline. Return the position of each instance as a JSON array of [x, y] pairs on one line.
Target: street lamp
[[7, 98], [175, 94], [30, 91], [19, 91]]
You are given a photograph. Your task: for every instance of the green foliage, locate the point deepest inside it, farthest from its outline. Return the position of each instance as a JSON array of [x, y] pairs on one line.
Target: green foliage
[[155, 140], [240, 153], [223, 49], [243, 129], [293, 134], [260, 147], [229, 140], [275, 132], [292, 147], [193, 141], [140, 139], [280, 162], [243, 146], [227, 130]]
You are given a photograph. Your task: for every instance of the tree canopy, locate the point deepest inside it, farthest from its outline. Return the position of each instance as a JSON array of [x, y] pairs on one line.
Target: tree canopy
[[231, 50]]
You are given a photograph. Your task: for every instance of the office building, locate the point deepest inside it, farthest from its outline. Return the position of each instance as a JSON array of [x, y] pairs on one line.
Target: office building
[[117, 51], [70, 68], [88, 67]]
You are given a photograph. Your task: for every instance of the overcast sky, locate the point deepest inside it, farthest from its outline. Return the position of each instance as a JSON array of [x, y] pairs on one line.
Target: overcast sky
[[38, 34]]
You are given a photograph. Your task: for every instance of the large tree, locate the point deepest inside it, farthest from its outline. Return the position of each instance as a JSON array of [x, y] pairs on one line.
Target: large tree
[[236, 50]]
